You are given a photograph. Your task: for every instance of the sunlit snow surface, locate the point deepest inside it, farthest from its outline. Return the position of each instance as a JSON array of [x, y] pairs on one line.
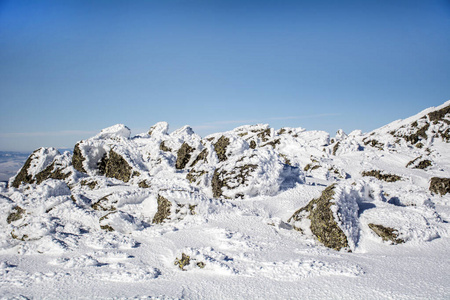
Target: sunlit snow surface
[[247, 247]]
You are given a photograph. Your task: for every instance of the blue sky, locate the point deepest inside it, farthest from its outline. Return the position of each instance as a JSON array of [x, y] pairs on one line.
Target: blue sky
[[71, 68]]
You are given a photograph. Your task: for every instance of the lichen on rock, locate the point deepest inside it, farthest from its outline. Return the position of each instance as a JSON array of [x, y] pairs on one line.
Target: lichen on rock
[[264, 135], [143, 184], [221, 148], [104, 204], [238, 176], [42, 164], [439, 115], [200, 157], [439, 185], [386, 233], [17, 214], [91, 184], [183, 156], [163, 212], [217, 184], [23, 176], [335, 148], [374, 143], [273, 143], [323, 224], [78, 158], [163, 147], [182, 262], [379, 175], [194, 175], [51, 172], [115, 166], [419, 164]]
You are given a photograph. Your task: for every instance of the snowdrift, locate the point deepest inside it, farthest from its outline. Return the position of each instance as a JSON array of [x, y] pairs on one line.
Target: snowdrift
[[215, 205]]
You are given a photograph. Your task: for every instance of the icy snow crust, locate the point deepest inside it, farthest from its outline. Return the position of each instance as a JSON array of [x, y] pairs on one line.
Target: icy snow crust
[[92, 236]]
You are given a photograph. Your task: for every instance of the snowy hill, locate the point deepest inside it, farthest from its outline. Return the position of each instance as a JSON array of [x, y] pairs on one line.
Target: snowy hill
[[249, 213]]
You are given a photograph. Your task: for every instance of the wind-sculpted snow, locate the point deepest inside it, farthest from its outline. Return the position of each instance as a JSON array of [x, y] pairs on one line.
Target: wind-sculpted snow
[[281, 213]]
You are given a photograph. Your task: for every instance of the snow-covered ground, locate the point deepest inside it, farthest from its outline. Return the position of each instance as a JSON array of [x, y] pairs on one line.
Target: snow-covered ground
[[175, 216]]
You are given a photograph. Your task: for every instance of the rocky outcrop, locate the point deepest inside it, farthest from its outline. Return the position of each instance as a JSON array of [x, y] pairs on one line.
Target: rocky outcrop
[[238, 176], [78, 159], [51, 172], [163, 147], [42, 164], [221, 148], [200, 157], [419, 163], [435, 124], [323, 224], [23, 176], [381, 176], [386, 233], [115, 166], [440, 186], [440, 115], [17, 214], [104, 204], [183, 156], [163, 212]]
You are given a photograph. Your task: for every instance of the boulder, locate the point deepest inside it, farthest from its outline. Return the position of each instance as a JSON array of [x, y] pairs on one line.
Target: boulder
[[322, 220], [183, 156], [381, 176], [78, 159], [386, 233], [40, 166], [440, 186], [221, 148], [163, 213], [115, 166]]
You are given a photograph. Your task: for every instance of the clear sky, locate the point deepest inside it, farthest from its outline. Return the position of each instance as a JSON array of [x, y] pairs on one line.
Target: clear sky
[[71, 68]]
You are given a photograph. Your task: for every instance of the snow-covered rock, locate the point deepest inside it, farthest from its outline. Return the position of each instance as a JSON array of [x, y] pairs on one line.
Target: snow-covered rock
[[123, 208]]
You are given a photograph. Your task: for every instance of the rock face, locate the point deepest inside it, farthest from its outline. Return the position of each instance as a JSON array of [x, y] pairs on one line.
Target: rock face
[[41, 165], [183, 156], [419, 130], [221, 148], [52, 172], [17, 214], [115, 166], [238, 176], [323, 223], [77, 159], [126, 182], [163, 212], [440, 186], [419, 163], [23, 176], [386, 233], [379, 175]]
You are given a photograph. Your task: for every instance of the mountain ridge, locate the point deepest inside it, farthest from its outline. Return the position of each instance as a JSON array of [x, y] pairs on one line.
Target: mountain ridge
[[214, 204]]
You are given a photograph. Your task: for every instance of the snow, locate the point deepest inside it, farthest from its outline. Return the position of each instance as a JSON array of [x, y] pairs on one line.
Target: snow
[[240, 245], [116, 131]]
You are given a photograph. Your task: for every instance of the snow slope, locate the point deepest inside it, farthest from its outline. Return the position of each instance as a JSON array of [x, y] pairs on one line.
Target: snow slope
[[231, 216]]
